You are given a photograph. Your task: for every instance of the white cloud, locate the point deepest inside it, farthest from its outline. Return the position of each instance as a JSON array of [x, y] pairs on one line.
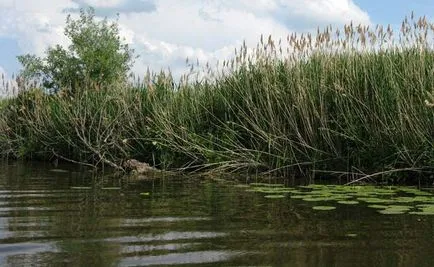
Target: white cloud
[[35, 24], [173, 30], [104, 3]]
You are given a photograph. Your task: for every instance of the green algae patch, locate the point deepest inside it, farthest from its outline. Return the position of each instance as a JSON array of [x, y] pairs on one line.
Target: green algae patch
[[348, 202], [274, 196], [324, 208]]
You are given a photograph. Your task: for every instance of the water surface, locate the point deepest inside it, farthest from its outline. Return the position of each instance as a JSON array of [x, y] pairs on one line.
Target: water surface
[[74, 218]]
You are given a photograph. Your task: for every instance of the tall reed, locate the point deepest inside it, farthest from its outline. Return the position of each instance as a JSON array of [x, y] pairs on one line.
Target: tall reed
[[352, 100]]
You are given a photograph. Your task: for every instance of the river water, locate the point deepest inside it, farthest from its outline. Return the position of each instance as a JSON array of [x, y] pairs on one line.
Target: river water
[[70, 217]]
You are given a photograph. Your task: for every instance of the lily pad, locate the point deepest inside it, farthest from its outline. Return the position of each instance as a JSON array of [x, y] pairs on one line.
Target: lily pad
[[324, 208], [274, 196], [266, 185], [431, 212], [297, 196], [422, 199], [404, 200], [376, 206], [314, 186], [399, 207], [373, 200], [351, 235], [348, 202], [391, 211], [431, 206], [315, 199]]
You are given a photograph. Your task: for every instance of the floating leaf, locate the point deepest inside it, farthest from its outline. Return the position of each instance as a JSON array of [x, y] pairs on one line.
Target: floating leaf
[[348, 202], [404, 200], [324, 208], [376, 206], [298, 196], [351, 235], [399, 207], [266, 185], [425, 206], [314, 199], [373, 200], [391, 211], [274, 196], [431, 212]]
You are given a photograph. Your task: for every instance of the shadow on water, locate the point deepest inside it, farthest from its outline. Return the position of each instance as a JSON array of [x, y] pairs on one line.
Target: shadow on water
[[70, 217]]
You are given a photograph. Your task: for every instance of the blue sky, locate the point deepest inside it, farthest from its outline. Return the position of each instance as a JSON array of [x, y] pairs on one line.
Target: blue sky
[[393, 11], [165, 32]]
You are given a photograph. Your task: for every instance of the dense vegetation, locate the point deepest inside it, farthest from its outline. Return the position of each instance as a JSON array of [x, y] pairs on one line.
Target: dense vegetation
[[355, 101]]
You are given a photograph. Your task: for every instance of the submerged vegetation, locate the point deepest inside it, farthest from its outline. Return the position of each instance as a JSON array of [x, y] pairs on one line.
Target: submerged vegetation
[[355, 102]]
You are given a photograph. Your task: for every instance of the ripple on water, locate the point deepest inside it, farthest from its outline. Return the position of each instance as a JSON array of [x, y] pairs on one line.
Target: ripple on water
[[196, 257], [140, 221], [170, 236], [8, 250], [135, 249]]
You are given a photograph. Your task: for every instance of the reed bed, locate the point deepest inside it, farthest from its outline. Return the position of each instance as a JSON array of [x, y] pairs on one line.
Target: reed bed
[[354, 101]]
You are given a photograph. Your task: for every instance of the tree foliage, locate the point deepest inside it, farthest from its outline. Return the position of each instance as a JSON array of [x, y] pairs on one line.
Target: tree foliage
[[96, 56]]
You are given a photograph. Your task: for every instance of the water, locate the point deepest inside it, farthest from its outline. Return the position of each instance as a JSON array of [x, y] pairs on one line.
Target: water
[[189, 222]]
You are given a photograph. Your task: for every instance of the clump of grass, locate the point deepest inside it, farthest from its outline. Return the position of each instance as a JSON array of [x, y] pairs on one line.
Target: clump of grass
[[348, 101], [331, 103]]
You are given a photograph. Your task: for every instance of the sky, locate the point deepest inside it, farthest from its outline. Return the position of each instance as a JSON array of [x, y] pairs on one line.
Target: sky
[[165, 32]]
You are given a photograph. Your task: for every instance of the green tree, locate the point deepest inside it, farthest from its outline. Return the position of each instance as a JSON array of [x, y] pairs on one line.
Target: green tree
[[96, 56]]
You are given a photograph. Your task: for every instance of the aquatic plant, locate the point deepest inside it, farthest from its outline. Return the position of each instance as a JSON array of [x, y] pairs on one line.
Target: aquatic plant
[[376, 197], [323, 208], [331, 103], [348, 202], [276, 196]]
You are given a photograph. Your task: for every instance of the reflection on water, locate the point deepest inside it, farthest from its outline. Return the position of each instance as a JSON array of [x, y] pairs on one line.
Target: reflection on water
[[186, 221]]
